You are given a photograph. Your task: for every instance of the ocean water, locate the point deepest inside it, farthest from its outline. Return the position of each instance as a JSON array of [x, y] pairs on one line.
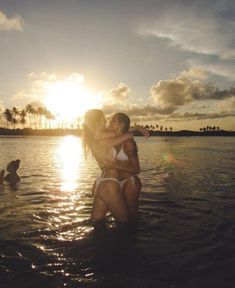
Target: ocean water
[[185, 235]]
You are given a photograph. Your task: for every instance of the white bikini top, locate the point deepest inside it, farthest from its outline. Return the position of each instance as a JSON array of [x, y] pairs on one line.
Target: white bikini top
[[121, 155]]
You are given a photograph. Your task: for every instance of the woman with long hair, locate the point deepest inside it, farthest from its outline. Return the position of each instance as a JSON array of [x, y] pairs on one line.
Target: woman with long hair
[[127, 163], [100, 142]]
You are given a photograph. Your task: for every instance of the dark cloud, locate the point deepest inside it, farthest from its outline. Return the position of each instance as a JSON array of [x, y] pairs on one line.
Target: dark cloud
[[144, 111], [169, 95], [200, 116]]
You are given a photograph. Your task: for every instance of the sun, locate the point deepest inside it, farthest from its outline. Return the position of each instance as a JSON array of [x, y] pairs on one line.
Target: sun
[[69, 99]]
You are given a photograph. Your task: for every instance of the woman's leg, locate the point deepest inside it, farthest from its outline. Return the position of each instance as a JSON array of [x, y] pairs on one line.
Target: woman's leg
[[99, 209], [131, 191], [109, 192]]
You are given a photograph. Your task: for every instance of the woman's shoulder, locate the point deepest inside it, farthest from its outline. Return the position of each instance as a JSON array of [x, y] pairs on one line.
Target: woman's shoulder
[[130, 145]]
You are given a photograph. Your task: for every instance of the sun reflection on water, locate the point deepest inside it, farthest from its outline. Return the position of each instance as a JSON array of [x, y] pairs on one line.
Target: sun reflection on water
[[69, 155]]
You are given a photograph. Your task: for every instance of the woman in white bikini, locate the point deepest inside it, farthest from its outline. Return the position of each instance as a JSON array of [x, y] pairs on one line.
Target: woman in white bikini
[[127, 164], [100, 142]]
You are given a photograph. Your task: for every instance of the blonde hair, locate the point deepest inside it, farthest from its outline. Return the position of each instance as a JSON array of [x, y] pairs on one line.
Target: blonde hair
[[91, 121]]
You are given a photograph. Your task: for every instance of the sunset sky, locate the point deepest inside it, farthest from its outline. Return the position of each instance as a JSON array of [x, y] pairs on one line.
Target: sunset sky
[[165, 62]]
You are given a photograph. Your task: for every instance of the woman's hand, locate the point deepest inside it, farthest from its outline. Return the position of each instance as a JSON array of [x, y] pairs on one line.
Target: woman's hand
[[142, 130], [107, 164]]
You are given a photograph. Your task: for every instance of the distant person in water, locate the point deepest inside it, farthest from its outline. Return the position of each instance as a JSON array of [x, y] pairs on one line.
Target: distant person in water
[[12, 177]]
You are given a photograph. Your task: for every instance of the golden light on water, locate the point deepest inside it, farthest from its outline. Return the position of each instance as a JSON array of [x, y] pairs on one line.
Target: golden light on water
[[69, 155]]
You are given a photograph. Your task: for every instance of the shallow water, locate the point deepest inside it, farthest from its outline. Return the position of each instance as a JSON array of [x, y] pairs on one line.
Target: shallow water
[[186, 232]]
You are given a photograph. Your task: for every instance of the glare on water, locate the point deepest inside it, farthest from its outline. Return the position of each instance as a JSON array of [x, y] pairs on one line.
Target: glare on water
[[69, 157]]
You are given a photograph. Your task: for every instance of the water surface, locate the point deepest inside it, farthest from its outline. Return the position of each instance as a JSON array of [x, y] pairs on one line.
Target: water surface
[[185, 236]]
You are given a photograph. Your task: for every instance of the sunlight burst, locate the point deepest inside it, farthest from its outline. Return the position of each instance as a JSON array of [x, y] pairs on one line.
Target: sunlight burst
[[69, 99]]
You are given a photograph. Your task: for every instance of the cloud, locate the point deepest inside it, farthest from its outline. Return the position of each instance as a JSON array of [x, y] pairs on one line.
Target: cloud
[[200, 116], [144, 113], [194, 28], [15, 23], [223, 68], [151, 113], [169, 95], [120, 93], [195, 72], [227, 105]]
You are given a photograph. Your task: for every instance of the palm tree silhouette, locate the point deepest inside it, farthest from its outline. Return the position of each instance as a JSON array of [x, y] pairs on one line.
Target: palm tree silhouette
[[8, 116], [40, 113], [15, 113], [30, 110], [22, 117]]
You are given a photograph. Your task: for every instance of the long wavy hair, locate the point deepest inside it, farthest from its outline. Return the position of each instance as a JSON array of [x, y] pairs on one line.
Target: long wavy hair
[[123, 119], [91, 122]]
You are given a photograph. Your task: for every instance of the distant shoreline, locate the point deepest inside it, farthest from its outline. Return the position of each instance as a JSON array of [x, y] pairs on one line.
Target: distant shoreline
[[78, 132]]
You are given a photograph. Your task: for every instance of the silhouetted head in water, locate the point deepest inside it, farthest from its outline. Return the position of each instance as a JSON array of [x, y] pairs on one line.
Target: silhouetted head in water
[[12, 177], [13, 166]]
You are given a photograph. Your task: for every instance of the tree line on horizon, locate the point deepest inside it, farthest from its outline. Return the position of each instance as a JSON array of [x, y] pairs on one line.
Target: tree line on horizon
[[35, 117], [210, 128], [41, 118]]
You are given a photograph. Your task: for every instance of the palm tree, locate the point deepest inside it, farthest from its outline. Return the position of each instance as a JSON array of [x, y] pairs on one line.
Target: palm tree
[[171, 129], [14, 122], [8, 116], [40, 112], [161, 128], [15, 113], [30, 110], [22, 117], [49, 116]]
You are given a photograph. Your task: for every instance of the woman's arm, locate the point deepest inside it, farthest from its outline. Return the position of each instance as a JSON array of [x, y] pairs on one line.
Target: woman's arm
[[104, 135], [141, 129], [116, 140]]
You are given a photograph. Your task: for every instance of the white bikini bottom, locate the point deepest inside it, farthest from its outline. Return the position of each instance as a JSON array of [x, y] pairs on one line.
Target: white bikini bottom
[[101, 179]]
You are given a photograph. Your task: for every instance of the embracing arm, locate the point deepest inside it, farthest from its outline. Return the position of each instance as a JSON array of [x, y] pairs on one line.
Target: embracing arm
[[141, 129], [104, 135], [109, 142]]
